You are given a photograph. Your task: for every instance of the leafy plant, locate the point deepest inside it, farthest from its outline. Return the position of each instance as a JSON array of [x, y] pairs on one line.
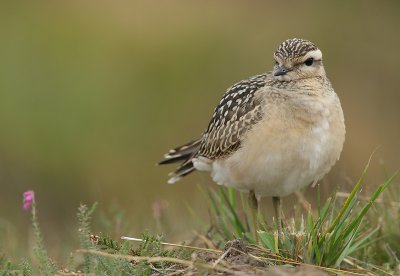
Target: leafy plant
[[46, 265], [84, 216]]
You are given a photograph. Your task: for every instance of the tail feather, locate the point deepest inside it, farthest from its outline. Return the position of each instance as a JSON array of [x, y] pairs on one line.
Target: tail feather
[[185, 154], [181, 171], [180, 153]]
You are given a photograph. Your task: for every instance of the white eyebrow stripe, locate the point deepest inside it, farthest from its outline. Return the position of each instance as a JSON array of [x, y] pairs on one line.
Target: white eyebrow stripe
[[315, 54]]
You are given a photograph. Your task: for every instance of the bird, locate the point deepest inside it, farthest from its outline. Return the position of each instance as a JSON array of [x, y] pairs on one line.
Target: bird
[[273, 133]]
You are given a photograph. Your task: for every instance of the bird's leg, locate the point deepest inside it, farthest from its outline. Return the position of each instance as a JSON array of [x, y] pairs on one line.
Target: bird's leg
[[276, 200], [253, 204]]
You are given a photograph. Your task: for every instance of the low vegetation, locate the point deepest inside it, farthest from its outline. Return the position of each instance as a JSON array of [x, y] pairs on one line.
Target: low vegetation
[[342, 236]]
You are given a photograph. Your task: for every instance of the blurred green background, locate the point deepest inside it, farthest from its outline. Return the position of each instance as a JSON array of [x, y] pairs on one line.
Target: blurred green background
[[92, 93]]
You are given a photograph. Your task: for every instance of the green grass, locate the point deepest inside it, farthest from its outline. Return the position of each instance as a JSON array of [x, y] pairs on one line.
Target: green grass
[[340, 236], [335, 237]]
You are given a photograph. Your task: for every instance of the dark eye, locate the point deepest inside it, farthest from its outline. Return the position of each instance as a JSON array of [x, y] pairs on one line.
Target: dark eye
[[309, 61]]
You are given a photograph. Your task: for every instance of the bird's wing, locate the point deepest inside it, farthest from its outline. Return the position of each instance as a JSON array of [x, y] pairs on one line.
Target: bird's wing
[[238, 110]]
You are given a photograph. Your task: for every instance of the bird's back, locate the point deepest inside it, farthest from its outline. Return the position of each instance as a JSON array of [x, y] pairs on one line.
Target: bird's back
[[238, 110]]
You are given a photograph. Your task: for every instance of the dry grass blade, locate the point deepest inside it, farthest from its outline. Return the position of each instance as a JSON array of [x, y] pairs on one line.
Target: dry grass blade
[[176, 245], [160, 259], [377, 268], [276, 258]]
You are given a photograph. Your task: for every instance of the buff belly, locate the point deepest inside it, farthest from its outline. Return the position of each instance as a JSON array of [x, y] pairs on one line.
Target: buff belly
[[281, 162]]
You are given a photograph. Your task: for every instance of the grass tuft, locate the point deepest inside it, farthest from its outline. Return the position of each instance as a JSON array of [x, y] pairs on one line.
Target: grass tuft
[[334, 237]]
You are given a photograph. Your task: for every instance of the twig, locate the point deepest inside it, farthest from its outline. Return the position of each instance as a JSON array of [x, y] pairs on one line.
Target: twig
[[222, 257], [158, 259]]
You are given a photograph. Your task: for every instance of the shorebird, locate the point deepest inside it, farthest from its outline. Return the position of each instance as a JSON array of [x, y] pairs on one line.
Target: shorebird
[[271, 134]]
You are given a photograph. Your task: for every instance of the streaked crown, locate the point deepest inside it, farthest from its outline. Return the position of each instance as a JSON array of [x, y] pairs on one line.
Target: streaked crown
[[294, 48]]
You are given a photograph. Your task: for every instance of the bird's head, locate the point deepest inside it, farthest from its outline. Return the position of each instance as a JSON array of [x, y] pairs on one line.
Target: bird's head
[[297, 59]]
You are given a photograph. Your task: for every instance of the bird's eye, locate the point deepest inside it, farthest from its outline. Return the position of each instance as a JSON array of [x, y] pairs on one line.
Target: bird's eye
[[309, 61]]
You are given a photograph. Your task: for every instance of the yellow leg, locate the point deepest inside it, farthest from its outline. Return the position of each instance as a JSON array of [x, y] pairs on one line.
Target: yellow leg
[[253, 204], [276, 200]]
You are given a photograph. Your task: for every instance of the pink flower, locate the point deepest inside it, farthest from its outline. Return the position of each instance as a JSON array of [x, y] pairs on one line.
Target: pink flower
[[29, 199]]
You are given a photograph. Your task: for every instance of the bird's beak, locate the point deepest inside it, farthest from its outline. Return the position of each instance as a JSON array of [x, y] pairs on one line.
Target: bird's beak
[[280, 71]]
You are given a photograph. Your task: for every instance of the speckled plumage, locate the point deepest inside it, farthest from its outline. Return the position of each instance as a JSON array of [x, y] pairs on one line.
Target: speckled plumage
[[272, 133], [237, 111]]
